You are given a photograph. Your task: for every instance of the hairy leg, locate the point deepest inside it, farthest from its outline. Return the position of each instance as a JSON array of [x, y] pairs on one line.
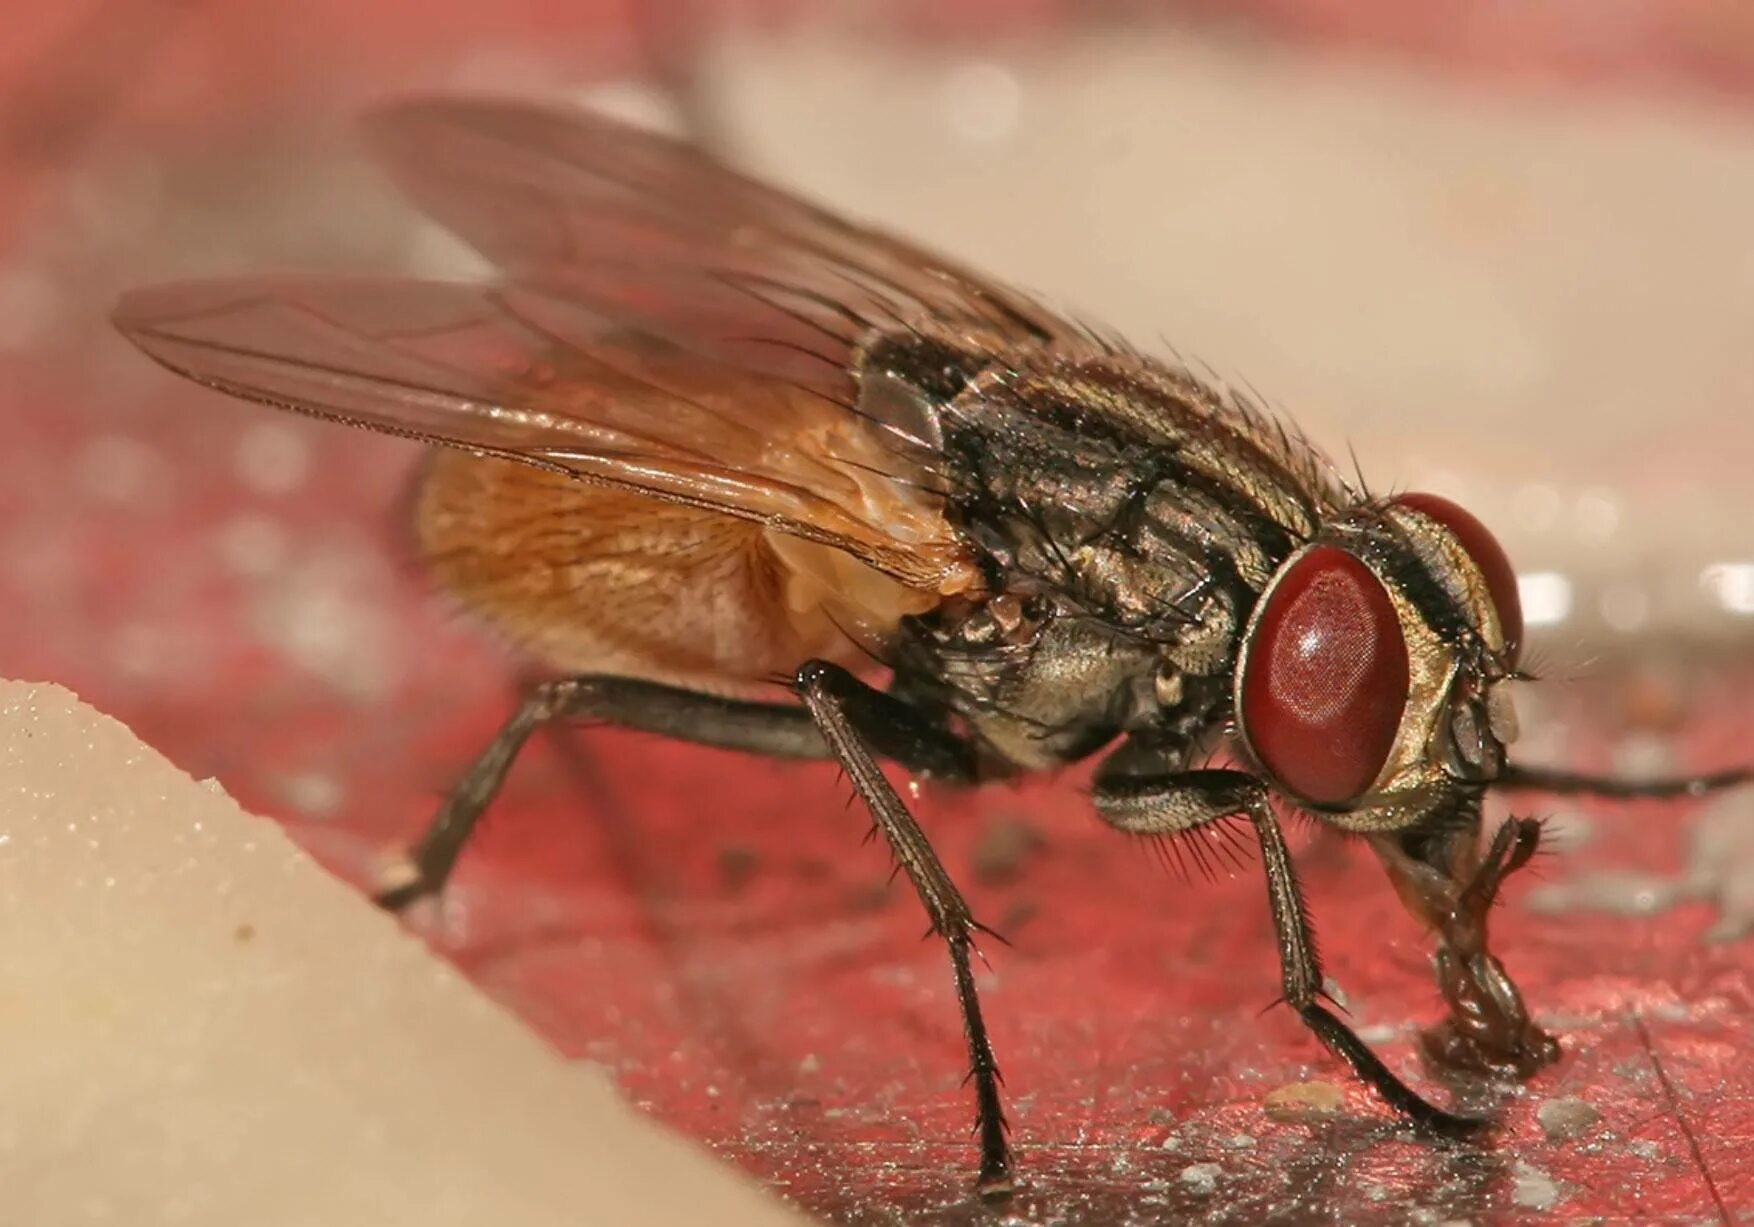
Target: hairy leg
[[1175, 802], [778, 730], [842, 705]]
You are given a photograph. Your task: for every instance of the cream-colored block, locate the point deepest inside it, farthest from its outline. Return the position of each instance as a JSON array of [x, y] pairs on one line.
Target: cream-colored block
[[199, 1026]]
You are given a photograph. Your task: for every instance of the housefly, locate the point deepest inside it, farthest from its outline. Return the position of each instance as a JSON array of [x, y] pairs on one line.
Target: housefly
[[697, 434]]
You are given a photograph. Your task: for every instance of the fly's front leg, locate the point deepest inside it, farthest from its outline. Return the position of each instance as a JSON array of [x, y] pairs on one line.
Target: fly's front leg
[[1449, 886], [854, 720], [780, 730], [1176, 802]]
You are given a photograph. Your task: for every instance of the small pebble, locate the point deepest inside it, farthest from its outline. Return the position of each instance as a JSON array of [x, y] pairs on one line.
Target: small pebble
[[1297, 1100]]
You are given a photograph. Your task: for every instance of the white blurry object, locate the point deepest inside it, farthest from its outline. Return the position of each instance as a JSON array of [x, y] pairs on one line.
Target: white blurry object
[[202, 1027]]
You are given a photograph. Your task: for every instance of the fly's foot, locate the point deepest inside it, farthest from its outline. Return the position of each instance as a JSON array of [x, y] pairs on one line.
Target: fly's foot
[[423, 872], [997, 1182], [1521, 1054], [1489, 1029], [407, 881]]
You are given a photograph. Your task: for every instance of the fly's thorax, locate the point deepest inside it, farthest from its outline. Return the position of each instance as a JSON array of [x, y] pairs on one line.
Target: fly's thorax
[[1037, 683], [1087, 403], [1133, 493], [1370, 683]]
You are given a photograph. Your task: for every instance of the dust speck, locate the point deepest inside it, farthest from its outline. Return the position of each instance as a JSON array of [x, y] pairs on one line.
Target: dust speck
[[1532, 1188], [1565, 1118], [1201, 1178]]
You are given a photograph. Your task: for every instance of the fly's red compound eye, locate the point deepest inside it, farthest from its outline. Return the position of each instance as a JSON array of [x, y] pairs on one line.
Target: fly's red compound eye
[[1487, 554], [1325, 678]]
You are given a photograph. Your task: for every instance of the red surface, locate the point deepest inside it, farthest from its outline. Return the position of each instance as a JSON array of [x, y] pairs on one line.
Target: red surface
[[713, 928]]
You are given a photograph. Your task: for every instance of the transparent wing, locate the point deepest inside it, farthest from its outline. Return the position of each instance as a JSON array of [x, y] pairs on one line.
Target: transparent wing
[[650, 230], [535, 375]]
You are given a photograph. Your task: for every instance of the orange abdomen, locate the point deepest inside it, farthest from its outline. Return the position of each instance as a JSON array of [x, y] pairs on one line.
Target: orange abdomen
[[593, 579]]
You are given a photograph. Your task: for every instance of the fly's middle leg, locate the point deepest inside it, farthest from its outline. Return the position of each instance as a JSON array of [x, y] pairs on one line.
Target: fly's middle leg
[[855, 720]]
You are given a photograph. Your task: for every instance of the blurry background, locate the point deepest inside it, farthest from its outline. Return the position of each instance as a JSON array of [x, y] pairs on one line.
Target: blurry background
[[1499, 251]]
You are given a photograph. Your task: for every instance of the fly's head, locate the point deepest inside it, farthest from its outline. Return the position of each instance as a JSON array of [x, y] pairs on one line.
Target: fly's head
[[1370, 683]]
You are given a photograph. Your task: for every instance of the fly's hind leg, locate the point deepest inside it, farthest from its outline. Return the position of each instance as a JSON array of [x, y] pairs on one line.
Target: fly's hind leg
[[858, 722], [1450, 886], [779, 730]]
